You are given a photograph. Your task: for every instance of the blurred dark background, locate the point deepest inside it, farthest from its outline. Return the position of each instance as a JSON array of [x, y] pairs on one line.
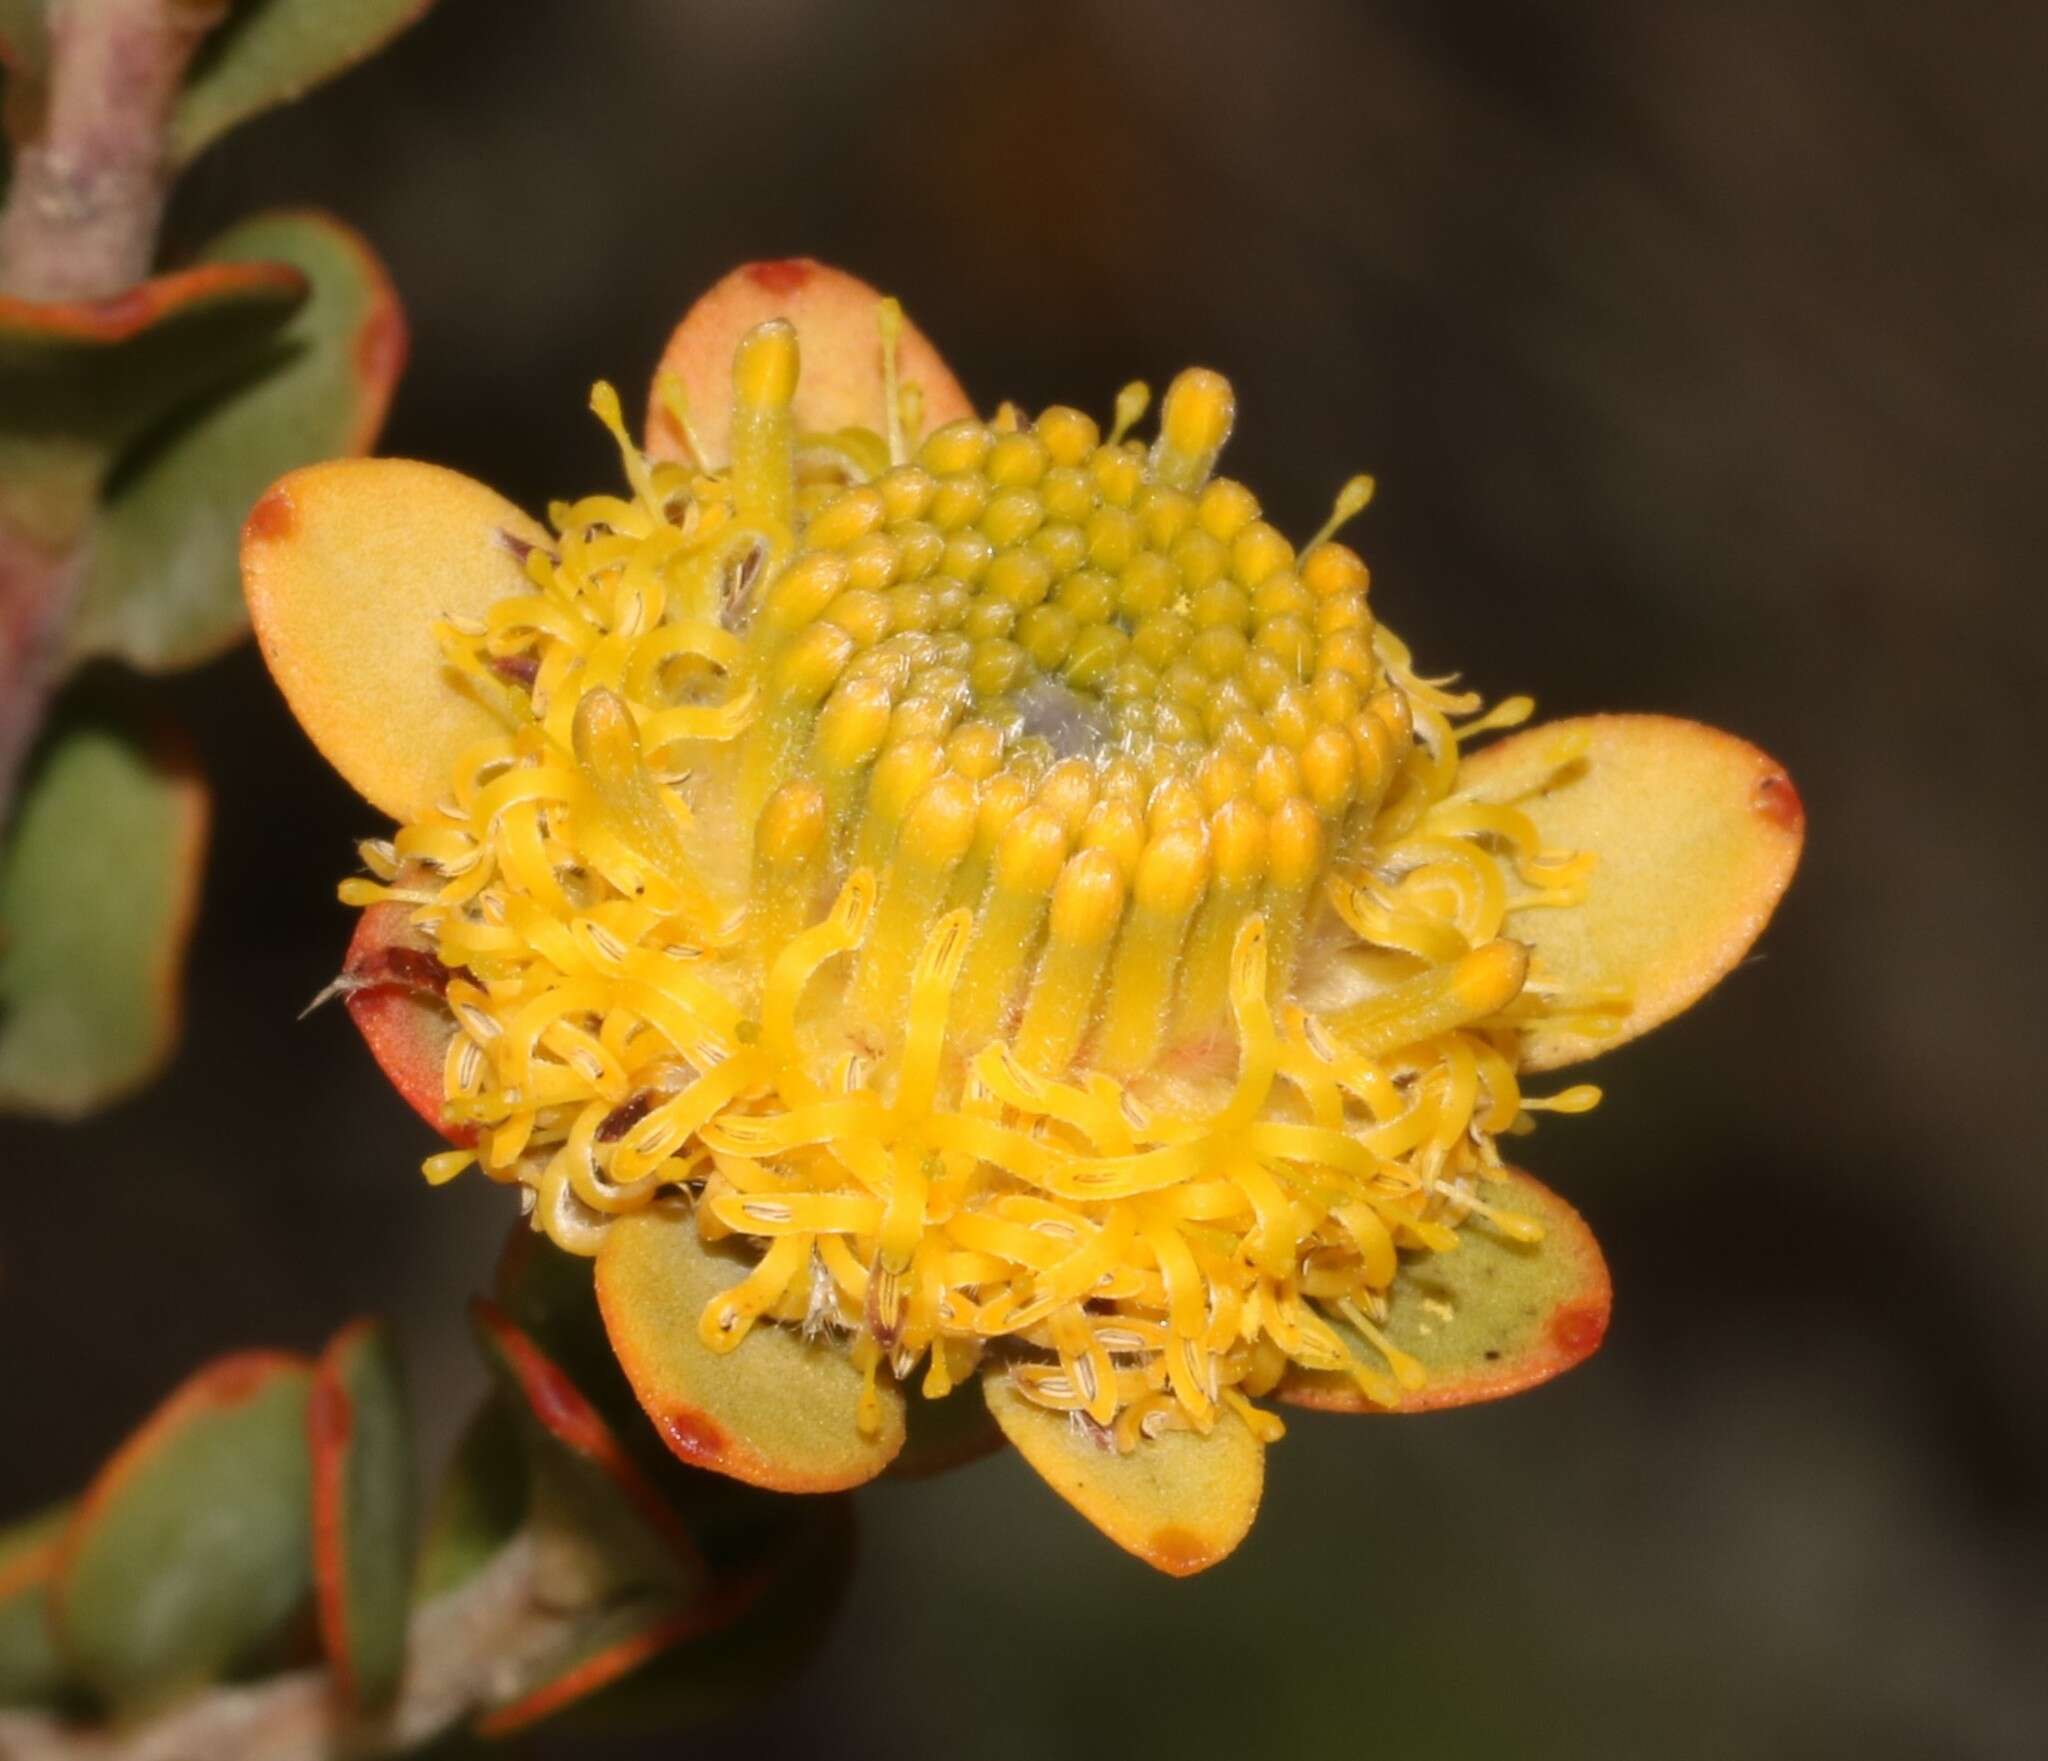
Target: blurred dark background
[[1700, 353]]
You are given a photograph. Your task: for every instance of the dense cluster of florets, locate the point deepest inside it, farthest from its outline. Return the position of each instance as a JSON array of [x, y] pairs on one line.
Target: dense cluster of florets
[[1004, 883]]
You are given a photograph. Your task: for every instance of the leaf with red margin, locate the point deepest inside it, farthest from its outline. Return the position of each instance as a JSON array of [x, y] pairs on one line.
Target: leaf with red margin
[[81, 380], [192, 1548], [778, 1411], [393, 988], [839, 343], [770, 1612], [32, 1670], [1491, 1318], [99, 883], [163, 590], [612, 1503], [359, 1433], [269, 52], [550, 1295], [1697, 835], [347, 566], [1181, 1501]]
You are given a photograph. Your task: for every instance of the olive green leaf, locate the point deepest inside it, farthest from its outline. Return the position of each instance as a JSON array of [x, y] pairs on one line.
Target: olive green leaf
[[551, 1296], [586, 1488], [32, 1672], [778, 1411], [193, 1546], [480, 1503], [163, 589], [98, 882], [770, 1609], [360, 1435], [614, 1541], [269, 52], [81, 380]]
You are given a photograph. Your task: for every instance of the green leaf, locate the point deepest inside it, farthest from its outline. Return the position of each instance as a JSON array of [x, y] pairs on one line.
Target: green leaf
[[360, 1434], [80, 380], [480, 1504], [98, 882], [32, 1671], [768, 1615], [588, 1493], [623, 1634], [271, 51], [164, 588], [193, 1547], [1492, 1317], [551, 1295]]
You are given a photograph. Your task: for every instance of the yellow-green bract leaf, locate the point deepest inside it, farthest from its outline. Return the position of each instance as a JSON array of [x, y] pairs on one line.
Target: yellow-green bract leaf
[[1697, 834], [80, 380], [360, 1435], [1180, 1501], [271, 51], [193, 1546], [1488, 1319], [32, 1672], [347, 566], [163, 589], [839, 336], [99, 876], [778, 1410]]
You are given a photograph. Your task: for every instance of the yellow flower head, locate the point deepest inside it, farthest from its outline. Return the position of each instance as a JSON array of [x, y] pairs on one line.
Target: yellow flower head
[[923, 899]]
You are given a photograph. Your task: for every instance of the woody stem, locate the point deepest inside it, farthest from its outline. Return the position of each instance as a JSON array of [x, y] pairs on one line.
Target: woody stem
[[90, 175]]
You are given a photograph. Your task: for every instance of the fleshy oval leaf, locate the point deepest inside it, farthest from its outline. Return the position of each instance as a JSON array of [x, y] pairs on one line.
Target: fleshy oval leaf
[[767, 1614], [839, 341], [1180, 1501], [777, 1411], [1697, 834], [32, 1670], [613, 1643], [346, 567], [82, 379], [584, 1479], [193, 1546], [99, 883], [163, 590], [1492, 1317], [268, 52], [393, 986], [359, 1432]]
